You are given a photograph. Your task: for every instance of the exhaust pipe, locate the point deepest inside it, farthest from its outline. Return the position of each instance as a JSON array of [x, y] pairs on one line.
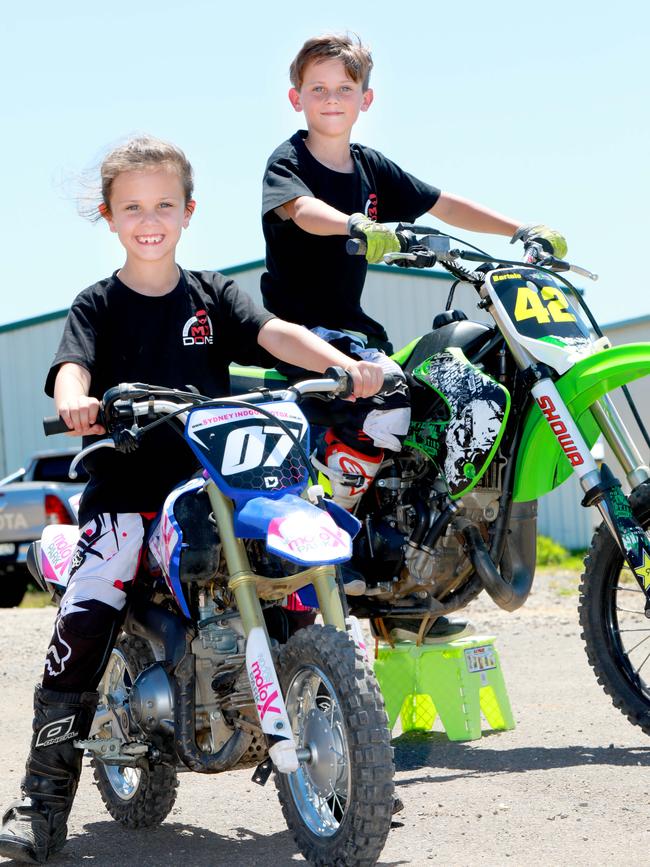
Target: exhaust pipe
[[185, 727], [511, 586]]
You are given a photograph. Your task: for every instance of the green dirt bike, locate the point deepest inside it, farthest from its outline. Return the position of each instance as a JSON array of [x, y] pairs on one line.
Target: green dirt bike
[[501, 416]]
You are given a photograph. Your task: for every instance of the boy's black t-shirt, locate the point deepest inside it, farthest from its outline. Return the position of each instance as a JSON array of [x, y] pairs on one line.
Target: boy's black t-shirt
[[187, 337], [310, 279]]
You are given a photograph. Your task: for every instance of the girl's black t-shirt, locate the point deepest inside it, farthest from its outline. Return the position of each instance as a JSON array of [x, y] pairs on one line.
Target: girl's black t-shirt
[[310, 279], [185, 338]]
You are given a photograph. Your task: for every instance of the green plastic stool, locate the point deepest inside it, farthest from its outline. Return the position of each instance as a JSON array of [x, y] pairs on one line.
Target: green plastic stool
[[457, 681]]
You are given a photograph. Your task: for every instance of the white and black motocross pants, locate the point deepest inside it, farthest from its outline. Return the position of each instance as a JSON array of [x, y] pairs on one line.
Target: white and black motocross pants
[[102, 571], [371, 424]]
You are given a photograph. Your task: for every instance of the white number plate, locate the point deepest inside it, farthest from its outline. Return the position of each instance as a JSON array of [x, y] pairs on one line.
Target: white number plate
[[7, 548]]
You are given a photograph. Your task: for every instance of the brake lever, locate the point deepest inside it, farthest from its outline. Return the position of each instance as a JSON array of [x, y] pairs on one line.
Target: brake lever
[[562, 265]]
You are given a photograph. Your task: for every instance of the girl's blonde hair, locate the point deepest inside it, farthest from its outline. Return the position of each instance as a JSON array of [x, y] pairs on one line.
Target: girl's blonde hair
[[140, 153]]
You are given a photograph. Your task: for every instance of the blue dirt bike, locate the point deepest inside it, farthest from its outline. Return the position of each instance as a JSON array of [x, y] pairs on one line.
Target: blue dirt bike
[[202, 678]]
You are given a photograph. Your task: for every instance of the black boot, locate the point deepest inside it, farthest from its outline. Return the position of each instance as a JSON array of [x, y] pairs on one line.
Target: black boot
[[36, 826]]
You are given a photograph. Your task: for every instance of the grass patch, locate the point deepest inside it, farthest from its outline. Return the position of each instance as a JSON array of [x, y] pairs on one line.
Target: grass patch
[[551, 556], [35, 599]]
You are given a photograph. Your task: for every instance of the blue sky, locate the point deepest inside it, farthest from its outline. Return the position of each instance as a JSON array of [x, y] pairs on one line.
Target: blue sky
[[538, 110]]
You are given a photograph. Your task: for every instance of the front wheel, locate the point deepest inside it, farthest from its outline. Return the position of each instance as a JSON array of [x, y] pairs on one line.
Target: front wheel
[[338, 804], [615, 629]]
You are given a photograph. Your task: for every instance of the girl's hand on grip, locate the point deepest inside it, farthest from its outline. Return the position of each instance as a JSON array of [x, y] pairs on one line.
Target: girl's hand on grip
[[368, 379], [80, 414]]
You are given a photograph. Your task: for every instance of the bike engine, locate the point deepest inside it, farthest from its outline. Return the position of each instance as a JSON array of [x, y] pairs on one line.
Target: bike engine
[[408, 543], [222, 686]]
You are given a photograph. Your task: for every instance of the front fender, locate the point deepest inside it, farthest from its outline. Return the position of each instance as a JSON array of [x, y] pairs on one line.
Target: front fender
[[541, 463]]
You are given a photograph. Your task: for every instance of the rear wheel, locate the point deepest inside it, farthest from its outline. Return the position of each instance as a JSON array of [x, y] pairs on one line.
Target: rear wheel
[[615, 629], [338, 804], [135, 797], [13, 585]]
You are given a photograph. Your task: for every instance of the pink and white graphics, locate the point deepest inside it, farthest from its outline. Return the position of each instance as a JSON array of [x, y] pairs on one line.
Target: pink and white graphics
[[269, 702], [58, 544], [309, 537]]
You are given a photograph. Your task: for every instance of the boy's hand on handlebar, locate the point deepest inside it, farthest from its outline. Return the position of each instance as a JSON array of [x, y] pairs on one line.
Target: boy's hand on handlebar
[[367, 378], [80, 415], [551, 242], [380, 239]]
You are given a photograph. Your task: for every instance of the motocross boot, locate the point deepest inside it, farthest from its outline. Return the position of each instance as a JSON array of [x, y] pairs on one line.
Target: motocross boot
[[35, 827]]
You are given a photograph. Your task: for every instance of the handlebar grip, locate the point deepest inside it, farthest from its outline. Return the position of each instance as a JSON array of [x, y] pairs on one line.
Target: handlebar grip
[[355, 247], [54, 424], [533, 252], [346, 385], [391, 381]]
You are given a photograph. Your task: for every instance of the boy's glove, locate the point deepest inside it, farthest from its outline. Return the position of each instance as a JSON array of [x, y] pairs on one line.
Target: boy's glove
[[549, 240], [379, 238]]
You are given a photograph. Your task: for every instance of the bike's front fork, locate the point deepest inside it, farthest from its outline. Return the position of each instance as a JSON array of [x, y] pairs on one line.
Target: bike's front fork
[[602, 489]]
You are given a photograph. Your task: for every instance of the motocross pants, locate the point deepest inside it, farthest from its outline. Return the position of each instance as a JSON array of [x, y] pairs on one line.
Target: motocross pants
[[102, 570], [356, 445]]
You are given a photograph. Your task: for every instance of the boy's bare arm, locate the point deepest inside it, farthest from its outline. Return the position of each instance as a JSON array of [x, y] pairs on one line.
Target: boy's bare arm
[[471, 216], [296, 345], [76, 408], [315, 216]]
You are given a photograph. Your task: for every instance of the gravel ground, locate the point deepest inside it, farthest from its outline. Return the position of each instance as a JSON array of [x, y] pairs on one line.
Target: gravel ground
[[568, 786]]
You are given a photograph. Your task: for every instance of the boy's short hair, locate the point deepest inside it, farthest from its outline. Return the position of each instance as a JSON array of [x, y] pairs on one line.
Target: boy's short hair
[[348, 48]]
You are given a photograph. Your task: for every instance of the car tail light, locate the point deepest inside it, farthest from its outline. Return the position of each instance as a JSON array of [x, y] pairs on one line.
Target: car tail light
[[55, 511]]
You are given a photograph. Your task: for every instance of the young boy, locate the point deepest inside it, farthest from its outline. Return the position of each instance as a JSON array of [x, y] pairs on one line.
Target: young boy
[[318, 190], [151, 321]]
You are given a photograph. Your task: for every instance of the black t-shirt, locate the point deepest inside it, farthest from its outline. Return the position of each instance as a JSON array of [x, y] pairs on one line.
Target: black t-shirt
[[310, 279], [187, 337]]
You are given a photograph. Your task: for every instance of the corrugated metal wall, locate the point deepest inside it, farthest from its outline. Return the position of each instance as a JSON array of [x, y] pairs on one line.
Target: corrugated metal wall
[[405, 301], [25, 357]]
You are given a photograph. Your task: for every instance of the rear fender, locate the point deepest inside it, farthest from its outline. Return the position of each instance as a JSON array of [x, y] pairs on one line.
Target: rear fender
[[541, 463]]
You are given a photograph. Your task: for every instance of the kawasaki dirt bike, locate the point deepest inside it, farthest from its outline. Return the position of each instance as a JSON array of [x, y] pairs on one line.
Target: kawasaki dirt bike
[[501, 416], [195, 682]]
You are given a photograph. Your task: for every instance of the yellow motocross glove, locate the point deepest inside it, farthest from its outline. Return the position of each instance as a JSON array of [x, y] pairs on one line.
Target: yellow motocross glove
[[379, 238], [549, 240]]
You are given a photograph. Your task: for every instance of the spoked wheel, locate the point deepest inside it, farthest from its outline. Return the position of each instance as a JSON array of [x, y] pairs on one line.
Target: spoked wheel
[[338, 804], [615, 629], [135, 797]]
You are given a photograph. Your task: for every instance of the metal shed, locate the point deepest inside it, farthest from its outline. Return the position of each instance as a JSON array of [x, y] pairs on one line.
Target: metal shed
[[405, 300]]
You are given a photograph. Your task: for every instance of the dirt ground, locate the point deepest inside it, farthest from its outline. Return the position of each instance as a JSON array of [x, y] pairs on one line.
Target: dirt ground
[[568, 786]]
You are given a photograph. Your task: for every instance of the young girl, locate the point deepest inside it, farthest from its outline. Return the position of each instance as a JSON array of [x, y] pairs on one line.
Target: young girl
[[151, 321]]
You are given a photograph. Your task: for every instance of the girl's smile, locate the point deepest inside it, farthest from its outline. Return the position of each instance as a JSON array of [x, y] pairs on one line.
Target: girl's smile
[[148, 212]]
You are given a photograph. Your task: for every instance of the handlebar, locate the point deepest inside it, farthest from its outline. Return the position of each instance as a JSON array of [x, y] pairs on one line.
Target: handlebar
[[422, 247], [54, 424], [122, 405]]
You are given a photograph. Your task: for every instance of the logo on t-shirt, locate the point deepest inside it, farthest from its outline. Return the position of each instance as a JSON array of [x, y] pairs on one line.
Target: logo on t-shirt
[[198, 330], [371, 206]]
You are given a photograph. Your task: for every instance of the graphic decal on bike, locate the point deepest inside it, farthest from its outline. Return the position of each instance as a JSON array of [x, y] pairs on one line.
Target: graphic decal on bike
[[633, 540], [309, 540], [266, 686], [462, 445], [539, 315], [166, 541], [246, 452]]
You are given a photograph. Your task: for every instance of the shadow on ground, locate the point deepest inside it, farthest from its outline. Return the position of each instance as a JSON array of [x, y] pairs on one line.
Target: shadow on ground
[[105, 843], [433, 750]]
